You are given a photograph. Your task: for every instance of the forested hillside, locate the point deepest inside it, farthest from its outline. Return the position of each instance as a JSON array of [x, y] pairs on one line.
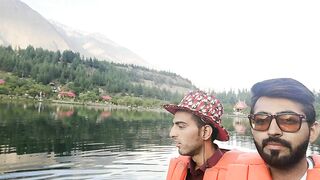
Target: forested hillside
[[30, 71], [72, 72]]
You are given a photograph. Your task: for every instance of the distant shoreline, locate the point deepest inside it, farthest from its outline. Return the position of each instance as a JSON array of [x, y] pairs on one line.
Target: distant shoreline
[[86, 104], [103, 105], [112, 106]]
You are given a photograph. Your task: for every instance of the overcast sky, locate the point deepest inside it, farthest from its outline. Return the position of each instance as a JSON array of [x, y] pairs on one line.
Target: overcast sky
[[216, 44]]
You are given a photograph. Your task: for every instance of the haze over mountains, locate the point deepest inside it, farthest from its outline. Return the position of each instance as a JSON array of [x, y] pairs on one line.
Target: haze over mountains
[[22, 26]]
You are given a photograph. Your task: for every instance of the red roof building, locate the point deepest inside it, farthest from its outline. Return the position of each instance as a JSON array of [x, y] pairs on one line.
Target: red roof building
[[67, 94], [106, 98], [2, 81], [241, 105]]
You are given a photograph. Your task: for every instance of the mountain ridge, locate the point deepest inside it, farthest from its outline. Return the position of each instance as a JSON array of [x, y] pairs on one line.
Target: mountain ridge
[[22, 26]]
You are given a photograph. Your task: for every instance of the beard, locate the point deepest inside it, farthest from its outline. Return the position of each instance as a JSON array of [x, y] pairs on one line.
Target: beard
[[190, 150], [283, 162]]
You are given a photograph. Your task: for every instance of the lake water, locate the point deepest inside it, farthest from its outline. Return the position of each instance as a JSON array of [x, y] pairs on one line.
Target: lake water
[[39, 141]]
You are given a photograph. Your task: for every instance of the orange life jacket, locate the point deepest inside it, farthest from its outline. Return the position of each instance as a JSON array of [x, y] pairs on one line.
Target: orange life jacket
[[178, 167], [250, 166]]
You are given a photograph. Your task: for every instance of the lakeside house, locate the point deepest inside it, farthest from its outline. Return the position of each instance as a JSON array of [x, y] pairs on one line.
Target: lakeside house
[[106, 98], [66, 94], [239, 107], [2, 81]]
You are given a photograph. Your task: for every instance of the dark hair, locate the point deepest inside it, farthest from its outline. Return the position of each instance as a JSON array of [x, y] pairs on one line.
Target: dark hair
[[286, 88], [201, 123]]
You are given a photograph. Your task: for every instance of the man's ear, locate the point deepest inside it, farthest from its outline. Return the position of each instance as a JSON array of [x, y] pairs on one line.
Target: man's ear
[[207, 132], [314, 131]]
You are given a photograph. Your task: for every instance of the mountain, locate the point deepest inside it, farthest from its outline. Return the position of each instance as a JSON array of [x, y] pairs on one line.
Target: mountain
[[97, 45], [157, 79], [22, 26]]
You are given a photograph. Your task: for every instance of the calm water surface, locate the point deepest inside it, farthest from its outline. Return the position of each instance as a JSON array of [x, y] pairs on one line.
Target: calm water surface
[[39, 141]]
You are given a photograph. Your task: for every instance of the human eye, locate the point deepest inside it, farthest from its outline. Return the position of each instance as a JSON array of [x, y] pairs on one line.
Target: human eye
[[289, 119], [181, 125], [260, 119]]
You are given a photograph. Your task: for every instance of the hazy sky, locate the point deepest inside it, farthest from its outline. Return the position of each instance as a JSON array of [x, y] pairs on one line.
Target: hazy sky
[[216, 44]]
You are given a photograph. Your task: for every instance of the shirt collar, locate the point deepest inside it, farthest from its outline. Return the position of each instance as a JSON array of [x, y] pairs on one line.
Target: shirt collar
[[213, 160]]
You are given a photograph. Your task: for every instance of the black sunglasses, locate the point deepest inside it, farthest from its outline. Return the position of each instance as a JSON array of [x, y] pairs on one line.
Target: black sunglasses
[[287, 122]]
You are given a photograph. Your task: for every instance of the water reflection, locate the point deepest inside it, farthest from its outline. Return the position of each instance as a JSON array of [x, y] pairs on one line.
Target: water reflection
[[67, 131], [240, 125], [148, 162], [63, 141]]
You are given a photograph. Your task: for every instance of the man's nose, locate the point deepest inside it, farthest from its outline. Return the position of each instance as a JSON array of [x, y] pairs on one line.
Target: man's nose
[[274, 129], [172, 132]]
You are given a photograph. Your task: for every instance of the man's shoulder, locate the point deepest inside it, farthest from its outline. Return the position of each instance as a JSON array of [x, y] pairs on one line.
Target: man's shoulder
[[178, 167], [250, 158], [184, 159], [316, 160], [231, 156], [314, 173]]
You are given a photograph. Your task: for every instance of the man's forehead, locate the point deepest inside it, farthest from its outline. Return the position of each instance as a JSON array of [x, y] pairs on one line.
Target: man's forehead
[[179, 120], [276, 105], [182, 116]]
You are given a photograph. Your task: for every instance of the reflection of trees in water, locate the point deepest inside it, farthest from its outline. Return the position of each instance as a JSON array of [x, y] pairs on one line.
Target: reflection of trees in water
[[63, 112], [241, 125], [241, 141], [23, 130], [236, 124], [239, 129]]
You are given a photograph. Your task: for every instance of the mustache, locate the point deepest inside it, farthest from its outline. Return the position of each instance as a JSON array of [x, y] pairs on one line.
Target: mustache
[[276, 140]]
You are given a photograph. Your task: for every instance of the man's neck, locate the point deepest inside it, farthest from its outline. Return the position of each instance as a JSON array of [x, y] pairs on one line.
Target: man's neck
[[294, 173], [204, 154]]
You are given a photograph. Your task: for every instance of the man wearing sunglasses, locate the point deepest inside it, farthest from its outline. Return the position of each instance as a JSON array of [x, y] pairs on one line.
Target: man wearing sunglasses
[[283, 123]]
